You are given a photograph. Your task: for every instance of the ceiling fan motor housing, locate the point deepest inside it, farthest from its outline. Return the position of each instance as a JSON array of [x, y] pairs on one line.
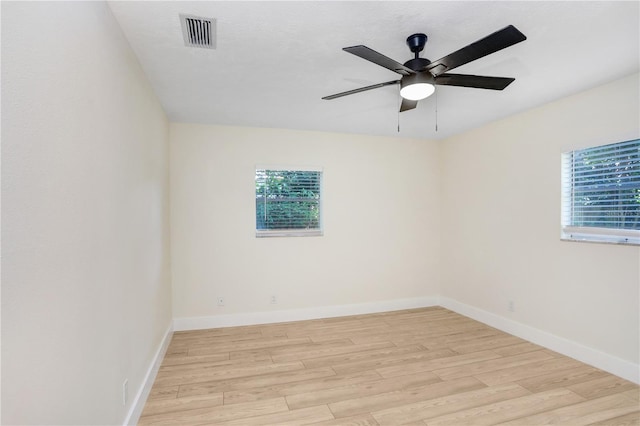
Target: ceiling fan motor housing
[[417, 78], [417, 64]]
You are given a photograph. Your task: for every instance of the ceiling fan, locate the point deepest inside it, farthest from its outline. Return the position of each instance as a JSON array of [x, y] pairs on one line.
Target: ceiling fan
[[420, 75]]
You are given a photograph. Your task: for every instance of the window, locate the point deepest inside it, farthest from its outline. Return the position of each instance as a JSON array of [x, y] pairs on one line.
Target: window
[[601, 193], [288, 202]]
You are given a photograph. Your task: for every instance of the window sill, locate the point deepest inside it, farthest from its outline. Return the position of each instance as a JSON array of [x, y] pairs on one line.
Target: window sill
[[290, 233], [624, 241]]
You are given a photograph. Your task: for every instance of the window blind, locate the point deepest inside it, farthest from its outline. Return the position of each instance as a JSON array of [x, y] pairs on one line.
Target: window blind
[[288, 202], [601, 191]]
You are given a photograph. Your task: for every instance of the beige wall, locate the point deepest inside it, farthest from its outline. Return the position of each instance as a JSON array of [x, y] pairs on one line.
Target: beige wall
[[380, 210], [85, 242], [501, 223]]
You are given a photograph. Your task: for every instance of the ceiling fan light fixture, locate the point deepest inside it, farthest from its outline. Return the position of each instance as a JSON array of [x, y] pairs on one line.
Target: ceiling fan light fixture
[[416, 87], [417, 91]]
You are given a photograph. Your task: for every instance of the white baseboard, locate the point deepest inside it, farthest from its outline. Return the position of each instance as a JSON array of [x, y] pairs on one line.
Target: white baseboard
[[133, 416], [268, 317], [612, 364]]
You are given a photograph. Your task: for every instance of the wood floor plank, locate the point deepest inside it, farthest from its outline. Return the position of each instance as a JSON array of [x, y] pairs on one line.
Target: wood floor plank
[[562, 378], [164, 406], [415, 334], [510, 409], [324, 350], [204, 340], [501, 363], [633, 394], [602, 386], [401, 338], [158, 392], [185, 366], [517, 349], [631, 419], [391, 361], [489, 342], [255, 381], [327, 396], [325, 328], [262, 343], [215, 415], [186, 334], [434, 364], [515, 374], [220, 373], [184, 358], [368, 404], [415, 412], [361, 420], [582, 413], [360, 356], [249, 354], [341, 332], [286, 389], [458, 336], [301, 348], [303, 416], [415, 366], [175, 351]]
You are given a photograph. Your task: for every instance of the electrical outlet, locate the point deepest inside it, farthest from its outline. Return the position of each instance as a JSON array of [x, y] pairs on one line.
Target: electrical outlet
[[125, 392], [512, 306], [220, 301], [274, 300]]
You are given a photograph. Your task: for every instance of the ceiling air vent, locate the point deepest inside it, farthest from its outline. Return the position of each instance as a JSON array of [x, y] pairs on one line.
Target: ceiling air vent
[[198, 31]]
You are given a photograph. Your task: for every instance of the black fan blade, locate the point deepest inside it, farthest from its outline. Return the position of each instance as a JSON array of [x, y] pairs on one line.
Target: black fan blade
[[477, 81], [379, 59], [362, 89], [407, 105], [499, 40]]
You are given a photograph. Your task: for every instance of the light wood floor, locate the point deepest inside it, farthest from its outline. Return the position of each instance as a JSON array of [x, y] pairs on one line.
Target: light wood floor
[[424, 366]]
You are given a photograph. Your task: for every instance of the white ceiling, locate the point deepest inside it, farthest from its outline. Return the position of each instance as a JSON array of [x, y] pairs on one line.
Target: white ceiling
[[275, 60]]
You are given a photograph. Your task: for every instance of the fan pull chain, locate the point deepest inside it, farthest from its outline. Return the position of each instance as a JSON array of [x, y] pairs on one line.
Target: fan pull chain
[[436, 110], [399, 106]]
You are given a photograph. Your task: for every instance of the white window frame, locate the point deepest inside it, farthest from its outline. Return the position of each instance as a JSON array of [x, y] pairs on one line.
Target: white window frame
[[569, 232], [262, 233]]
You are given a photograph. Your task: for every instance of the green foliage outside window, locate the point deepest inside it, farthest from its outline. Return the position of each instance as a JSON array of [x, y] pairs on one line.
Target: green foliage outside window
[[287, 199]]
